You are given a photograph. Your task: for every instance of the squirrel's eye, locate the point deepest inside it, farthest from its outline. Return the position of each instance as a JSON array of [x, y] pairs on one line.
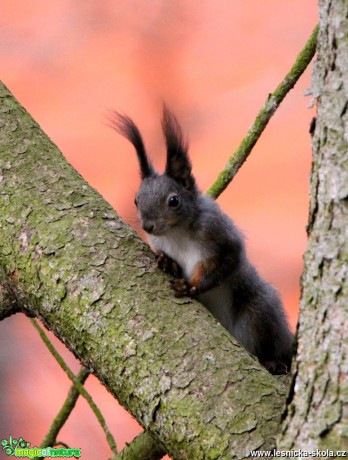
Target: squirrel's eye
[[173, 201]]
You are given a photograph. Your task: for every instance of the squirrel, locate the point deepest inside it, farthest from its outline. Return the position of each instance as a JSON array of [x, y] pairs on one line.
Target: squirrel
[[202, 247]]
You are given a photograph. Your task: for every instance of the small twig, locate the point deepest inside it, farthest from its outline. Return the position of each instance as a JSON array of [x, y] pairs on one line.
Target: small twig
[[50, 439], [272, 103], [143, 447], [80, 388], [63, 444]]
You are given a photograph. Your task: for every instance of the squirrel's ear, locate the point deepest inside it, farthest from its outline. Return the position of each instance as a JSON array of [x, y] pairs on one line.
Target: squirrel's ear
[[178, 165], [125, 126]]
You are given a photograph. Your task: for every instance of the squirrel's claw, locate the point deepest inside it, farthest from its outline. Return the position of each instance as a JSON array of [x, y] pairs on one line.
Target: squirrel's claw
[[275, 367], [183, 288], [168, 265]]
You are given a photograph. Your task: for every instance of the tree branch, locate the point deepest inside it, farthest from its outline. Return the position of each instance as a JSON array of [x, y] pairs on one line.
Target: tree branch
[[78, 385], [51, 437], [270, 106], [93, 282], [8, 300], [143, 447]]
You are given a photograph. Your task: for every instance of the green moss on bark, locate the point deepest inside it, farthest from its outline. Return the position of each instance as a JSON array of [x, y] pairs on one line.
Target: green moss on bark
[[92, 281]]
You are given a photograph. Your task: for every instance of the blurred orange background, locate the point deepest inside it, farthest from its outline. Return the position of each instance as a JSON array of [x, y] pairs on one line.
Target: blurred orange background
[[214, 63]]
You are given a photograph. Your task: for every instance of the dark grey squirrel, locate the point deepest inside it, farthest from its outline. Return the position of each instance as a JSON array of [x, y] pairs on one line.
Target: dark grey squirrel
[[201, 246]]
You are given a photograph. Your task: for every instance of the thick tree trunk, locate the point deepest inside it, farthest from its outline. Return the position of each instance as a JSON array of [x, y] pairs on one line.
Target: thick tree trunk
[[317, 416], [69, 260]]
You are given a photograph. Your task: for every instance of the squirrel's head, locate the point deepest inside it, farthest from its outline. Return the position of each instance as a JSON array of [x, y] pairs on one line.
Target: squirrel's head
[[165, 201]]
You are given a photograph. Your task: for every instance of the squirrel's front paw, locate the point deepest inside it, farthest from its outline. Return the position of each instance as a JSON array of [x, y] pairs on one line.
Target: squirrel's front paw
[[275, 367], [183, 288], [168, 265]]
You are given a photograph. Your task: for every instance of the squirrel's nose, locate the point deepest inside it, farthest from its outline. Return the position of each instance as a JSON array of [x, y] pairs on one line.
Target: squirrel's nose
[[148, 226]]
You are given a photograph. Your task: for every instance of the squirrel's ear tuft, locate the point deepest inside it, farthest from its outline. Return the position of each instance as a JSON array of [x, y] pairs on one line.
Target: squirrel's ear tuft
[[178, 165], [125, 126]]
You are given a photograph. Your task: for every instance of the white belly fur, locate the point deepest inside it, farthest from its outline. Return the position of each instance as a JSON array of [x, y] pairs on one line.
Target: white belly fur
[[187, 253], [184, 250]]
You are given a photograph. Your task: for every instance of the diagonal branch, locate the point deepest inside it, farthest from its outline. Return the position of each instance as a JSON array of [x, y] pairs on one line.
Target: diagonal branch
[[91, 280], [143, 447], [78, 385], [51, 437], [270, 106]]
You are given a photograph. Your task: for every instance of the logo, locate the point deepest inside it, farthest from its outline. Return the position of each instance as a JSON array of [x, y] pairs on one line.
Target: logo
[[20, 448]]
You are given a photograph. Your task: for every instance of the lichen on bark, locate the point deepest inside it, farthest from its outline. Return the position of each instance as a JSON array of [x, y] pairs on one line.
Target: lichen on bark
[[317, 413], [74, 264]]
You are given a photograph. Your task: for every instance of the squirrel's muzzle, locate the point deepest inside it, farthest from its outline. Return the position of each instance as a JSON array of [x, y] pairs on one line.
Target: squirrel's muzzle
[[148, 226]]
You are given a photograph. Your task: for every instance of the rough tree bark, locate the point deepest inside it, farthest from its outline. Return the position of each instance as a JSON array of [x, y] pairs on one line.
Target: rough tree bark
[[317, 414], [68, 259]]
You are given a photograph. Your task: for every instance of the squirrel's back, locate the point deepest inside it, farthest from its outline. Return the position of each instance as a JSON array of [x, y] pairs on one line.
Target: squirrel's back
[[245, 304]]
